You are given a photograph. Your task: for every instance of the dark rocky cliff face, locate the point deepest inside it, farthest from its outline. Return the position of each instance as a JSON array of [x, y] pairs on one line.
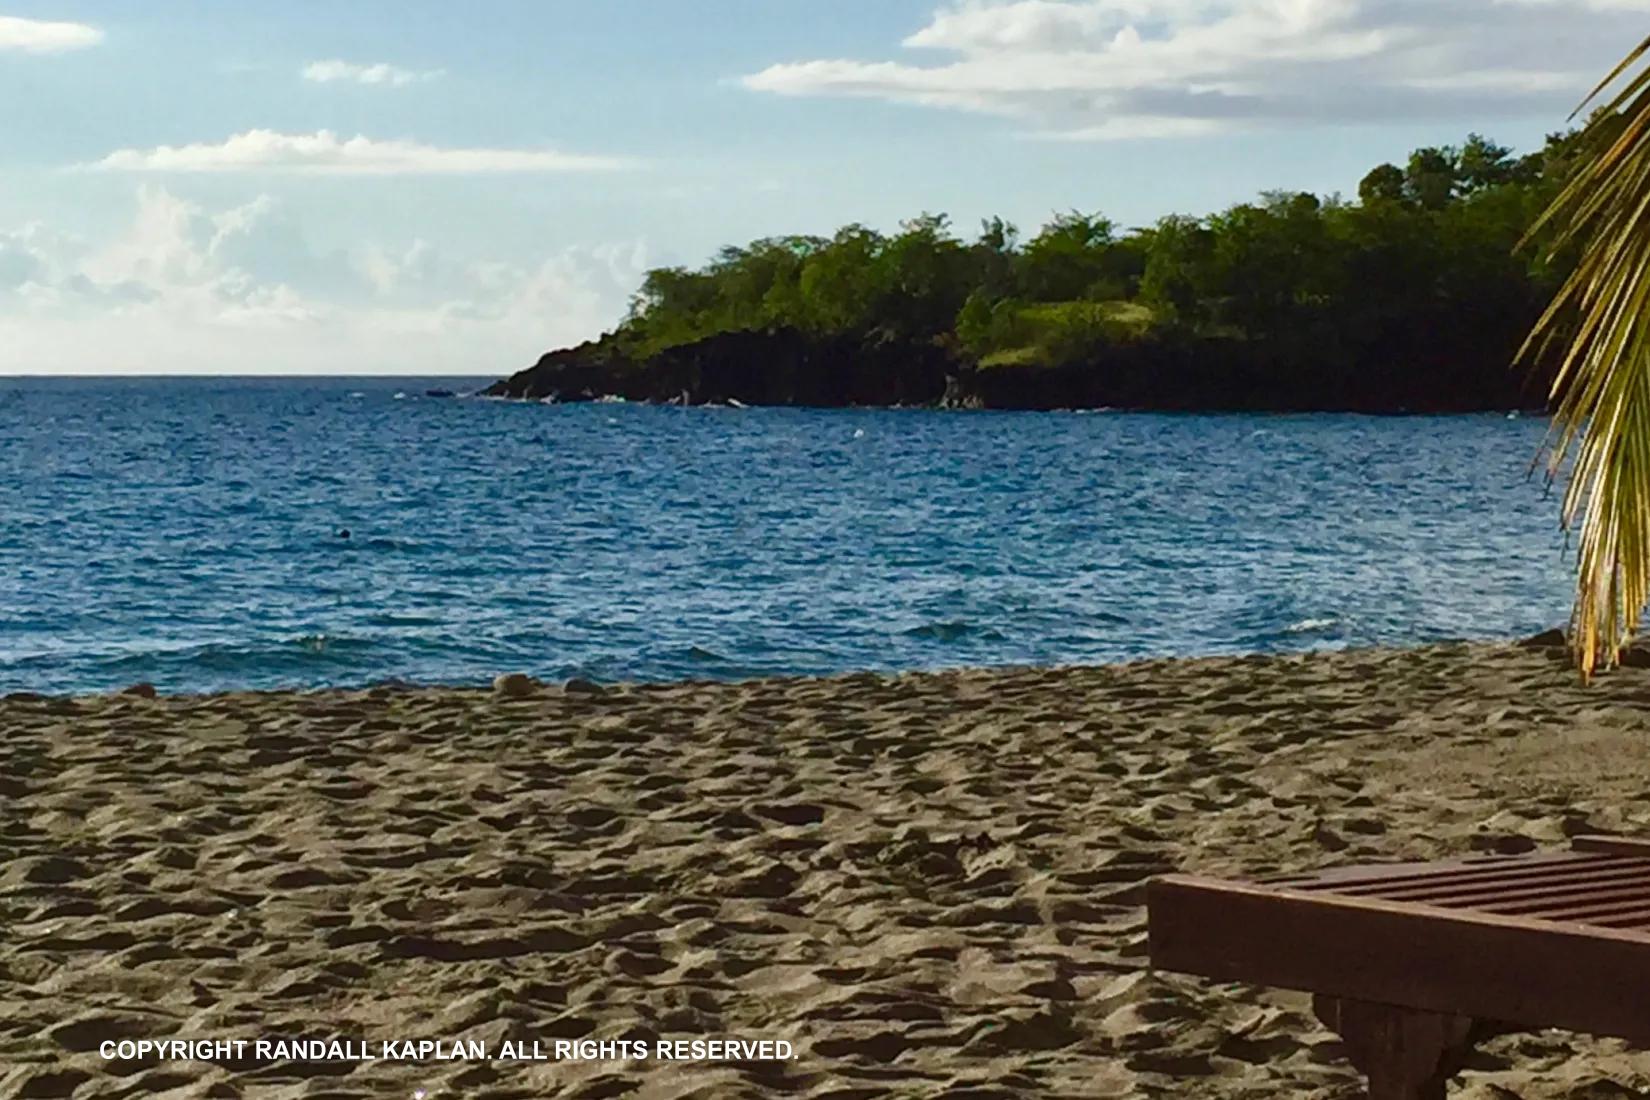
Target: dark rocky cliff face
[[779, 367], [788, 367]]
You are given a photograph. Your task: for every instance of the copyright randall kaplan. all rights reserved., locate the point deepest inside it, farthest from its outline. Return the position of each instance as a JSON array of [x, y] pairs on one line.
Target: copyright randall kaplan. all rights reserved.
[[448, 1050]]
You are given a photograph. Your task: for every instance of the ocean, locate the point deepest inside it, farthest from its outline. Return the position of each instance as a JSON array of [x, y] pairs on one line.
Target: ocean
[[192, 533]]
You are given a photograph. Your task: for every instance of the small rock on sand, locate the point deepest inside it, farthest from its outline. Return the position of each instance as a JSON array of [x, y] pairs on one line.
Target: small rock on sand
[[1636, 654], [1504, 844], [1547, 639], [141, 691], [515, 685], [580, 686]]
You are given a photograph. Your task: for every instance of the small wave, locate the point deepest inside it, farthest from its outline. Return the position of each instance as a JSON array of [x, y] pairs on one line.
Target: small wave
[[272, 661], [343, 539], [954, 630], [405, 618], [1311, 626], [329, 643], [688, 661]]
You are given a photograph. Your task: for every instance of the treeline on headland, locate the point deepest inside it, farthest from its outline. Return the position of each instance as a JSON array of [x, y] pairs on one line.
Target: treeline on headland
[[1413, 298]]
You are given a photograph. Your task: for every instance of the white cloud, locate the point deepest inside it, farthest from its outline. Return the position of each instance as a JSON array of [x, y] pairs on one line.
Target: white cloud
[[325, 153], [414, 269], [36, 36], [186, 289], [381, 73], [1108, 69], [18, 264]]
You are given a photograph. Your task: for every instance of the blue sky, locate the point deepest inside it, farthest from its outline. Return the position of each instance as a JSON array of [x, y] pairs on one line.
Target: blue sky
[[427, 187]]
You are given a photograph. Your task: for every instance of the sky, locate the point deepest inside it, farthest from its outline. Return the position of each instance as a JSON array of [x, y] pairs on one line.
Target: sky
[[420, 187]]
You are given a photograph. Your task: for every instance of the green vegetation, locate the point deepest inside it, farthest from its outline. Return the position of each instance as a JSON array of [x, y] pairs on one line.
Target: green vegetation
[[1435, 243]]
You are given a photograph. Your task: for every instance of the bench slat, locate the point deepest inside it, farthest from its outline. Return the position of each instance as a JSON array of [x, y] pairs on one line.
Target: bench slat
[[1520, 970]]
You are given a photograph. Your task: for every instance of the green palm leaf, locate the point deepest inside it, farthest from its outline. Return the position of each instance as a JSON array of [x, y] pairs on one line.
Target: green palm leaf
[[1600, 321]]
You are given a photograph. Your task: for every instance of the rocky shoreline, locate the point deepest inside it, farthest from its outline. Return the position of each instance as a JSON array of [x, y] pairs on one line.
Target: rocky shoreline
[[1182, 374]]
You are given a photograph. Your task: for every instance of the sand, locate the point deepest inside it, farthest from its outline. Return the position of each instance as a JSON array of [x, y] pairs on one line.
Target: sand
[[929, 884]]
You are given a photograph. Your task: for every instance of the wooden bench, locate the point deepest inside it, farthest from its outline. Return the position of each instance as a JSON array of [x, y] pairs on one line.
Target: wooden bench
[[1413, 963]]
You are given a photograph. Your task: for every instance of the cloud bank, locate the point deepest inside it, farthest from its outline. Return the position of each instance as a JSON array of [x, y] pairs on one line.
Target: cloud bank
[[380, 73], [325, 153], [1109, 69], [37, 36], [186, 289]]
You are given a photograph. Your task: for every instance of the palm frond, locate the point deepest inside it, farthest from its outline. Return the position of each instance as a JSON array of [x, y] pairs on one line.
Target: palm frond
[[1600, 319]]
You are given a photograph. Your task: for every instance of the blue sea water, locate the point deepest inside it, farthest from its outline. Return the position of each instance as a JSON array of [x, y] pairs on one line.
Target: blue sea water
[[186, 532]]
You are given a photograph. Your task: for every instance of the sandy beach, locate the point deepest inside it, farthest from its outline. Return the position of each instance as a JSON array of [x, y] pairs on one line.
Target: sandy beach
[[929, 884]]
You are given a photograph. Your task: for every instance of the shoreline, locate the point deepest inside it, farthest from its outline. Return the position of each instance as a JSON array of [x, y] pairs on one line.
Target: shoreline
[[1171, 370], [621, 688], [927, 882]]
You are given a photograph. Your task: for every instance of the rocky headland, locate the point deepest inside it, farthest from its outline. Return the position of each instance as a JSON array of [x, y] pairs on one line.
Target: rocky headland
[[785, 366]]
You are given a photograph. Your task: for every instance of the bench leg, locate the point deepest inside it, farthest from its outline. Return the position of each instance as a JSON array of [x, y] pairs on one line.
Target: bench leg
[[1404, 1053]]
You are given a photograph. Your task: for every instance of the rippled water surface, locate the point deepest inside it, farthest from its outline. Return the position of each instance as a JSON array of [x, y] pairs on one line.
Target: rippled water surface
[[188, 532]]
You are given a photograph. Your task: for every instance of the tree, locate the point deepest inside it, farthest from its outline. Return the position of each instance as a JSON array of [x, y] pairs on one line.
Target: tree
[[1067, 260], [839, 283], [1273, 262], [759, 284], [1483, 164], [1383, 184], [1431, 178], [924, 277], [1597, 322], [999, 237], [995, 254], [1179, 268]]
